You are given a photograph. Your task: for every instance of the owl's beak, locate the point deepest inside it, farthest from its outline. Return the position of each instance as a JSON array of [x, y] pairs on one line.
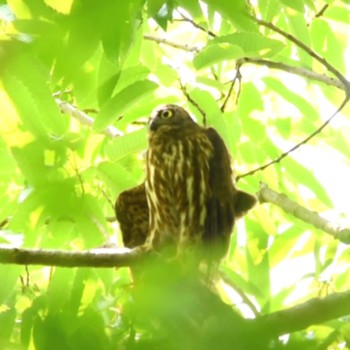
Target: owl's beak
[[154, 124]]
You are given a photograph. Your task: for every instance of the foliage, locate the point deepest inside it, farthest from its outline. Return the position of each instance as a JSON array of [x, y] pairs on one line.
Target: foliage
[[117, 61]]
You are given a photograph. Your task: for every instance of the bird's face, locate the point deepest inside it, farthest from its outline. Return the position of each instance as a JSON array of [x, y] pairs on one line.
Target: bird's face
[[171, 116]]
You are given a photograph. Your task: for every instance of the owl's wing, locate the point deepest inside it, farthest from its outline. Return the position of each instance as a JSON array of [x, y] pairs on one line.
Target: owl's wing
[[226, 202], [221, 204], [132, 214]]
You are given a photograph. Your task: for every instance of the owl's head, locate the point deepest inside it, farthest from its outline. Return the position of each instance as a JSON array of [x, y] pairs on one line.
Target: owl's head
[[170, 115]]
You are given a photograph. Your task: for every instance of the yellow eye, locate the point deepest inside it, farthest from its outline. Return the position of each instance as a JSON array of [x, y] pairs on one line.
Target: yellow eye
[[166, 114]]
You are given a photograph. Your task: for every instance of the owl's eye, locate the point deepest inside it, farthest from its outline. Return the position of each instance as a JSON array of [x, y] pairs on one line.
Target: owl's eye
[[166, 114]]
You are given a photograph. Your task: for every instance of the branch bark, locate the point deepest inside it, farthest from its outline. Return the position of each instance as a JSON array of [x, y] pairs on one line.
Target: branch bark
[[174, 44], [281, 200], [102, 257], [313, 311], [303, 72], [85, 119]]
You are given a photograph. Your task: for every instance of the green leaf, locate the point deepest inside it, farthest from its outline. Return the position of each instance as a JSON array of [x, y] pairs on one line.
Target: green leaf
[[319, 30], [31, 162], [26, 85], [299, 28], [192, 6], [283, 244], [299, 173], [153, 7], [254, 129], [251, 153], [60, 287], [210, 83], [279, 300], [327, 44], [60, 6], [252, 44], [9, 275], [299, 102], [236, 11], [297, 5], [338, 13], [131, 75], [78, 287], [217, 53], [116, 176], [283, 126], [122, 101], [241, 282], [90, 331], [270, 9], [130, 143], [164, 14], [250, 99]]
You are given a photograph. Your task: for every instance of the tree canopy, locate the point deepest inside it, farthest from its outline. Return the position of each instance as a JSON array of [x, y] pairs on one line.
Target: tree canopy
[[78, 82]]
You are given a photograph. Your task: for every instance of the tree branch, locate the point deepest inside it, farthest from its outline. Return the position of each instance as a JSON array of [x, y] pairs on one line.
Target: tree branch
[[237, 78], [196, 25], [313, 311], [194, 103], [266, 194], [171, 43], [85, 119], [102, 257], [303, 72]]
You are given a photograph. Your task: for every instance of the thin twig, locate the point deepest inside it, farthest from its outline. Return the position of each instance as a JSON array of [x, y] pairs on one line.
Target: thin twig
[[303, 72], [322, 11], [85, 119], [4, 222], [196, 25], [184, 47], [191, 100], [238, 77], [303, 142]]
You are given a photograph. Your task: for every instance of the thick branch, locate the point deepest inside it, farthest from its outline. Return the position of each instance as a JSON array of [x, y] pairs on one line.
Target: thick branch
[[103, 257], [83, 118], [313, 311], [266, 194]]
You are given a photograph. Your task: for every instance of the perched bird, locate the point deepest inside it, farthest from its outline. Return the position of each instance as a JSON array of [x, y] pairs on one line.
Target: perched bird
[[192, 201]]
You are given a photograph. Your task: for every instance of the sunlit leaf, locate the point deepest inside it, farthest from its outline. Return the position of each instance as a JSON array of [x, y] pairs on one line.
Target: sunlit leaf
[[297, 5], [216, 53], [122, 101], [131, 143], [252, 44]]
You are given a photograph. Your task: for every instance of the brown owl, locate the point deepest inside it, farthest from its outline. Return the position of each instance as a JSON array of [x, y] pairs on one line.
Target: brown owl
[[191, 198]]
